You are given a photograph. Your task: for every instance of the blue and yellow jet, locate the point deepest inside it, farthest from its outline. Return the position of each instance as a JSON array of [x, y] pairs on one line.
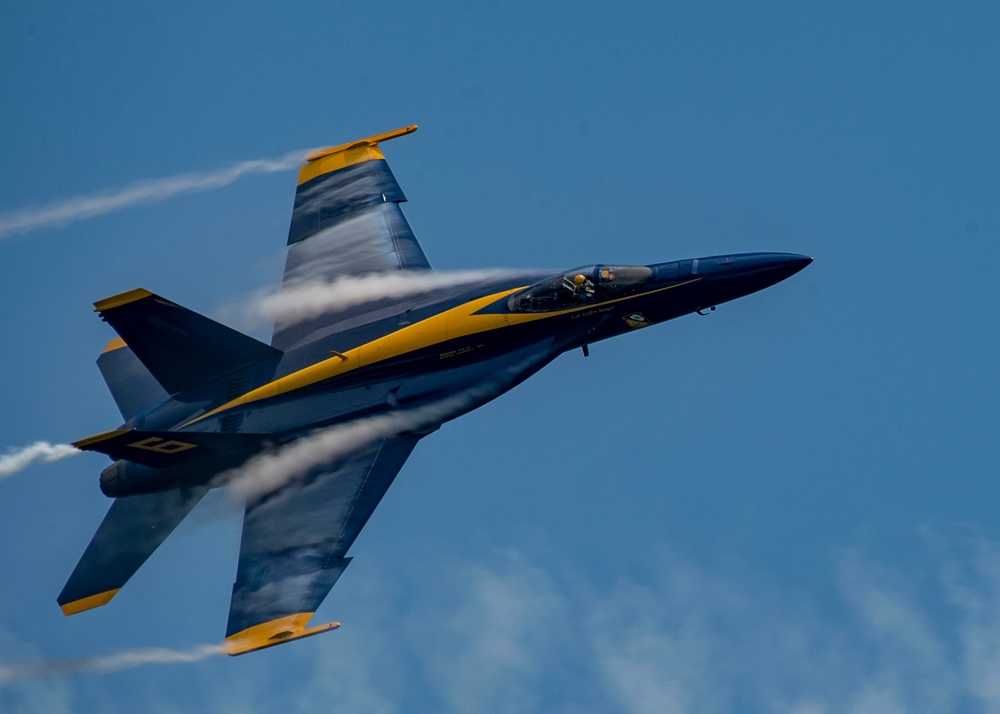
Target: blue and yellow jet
[[361, 384]]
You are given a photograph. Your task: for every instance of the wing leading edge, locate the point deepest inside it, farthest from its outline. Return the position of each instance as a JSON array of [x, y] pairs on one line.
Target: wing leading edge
[[295, 542]]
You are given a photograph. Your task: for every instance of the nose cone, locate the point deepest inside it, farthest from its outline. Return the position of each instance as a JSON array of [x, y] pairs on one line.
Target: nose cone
[[728, 277], [786, 264], [775, 267]]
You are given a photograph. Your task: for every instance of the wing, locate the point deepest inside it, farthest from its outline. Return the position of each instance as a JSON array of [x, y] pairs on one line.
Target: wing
[[346, 222], [132, 529], [295, 542]]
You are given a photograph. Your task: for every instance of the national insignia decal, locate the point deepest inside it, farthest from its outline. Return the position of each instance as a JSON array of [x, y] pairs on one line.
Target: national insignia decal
[[636, 320]]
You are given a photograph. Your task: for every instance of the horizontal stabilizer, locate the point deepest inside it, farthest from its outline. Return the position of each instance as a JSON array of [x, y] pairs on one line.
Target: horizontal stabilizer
[[133, 528], [179, 347], [162, 449]]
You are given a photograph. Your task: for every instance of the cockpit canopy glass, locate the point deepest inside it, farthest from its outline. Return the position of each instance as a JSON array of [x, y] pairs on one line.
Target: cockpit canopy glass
[[589, 284]]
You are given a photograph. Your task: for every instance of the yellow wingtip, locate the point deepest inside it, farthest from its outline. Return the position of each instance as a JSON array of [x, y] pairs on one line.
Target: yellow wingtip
[[275, 632], [324, 161], [88, 603], [367, 141]]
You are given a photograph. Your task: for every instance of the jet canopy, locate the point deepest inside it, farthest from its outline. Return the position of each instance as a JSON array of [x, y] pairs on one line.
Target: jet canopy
[[581, 286]]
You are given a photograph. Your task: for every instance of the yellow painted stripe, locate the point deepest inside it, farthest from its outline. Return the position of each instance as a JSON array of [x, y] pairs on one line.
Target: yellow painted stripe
[[456, 322], [275, 632], [97, 438], [88, 603], [385, 136], [460, 321], [115, 344], [121, 299], [326, 161], [265, 630], [234, 649]]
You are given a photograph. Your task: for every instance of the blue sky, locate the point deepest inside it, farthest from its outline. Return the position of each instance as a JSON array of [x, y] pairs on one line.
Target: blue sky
[[788, 505]]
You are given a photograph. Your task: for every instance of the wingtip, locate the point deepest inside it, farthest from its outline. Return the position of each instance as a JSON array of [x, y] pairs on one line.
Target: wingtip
[[368, 140], [263, 636]]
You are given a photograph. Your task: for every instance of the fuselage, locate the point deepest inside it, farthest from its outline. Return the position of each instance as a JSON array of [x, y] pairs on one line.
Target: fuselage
[[458, 348]]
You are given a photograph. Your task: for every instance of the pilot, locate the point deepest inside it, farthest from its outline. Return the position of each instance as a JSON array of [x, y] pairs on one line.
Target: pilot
[[582, 286]]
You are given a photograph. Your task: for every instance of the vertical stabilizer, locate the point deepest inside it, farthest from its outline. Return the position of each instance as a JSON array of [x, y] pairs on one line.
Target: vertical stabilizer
[[179, 347], [131, 385]]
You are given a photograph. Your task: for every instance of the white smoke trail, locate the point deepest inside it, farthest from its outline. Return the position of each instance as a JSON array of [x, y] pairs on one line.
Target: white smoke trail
[[81, 208], [268, 471], [105, 664], [21, 459], [307, 300]]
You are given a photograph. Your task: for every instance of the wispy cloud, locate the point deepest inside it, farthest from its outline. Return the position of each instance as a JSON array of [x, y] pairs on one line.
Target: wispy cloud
[[19, 459], [104, 664], [508, 631], [79, 208], [504, 630]]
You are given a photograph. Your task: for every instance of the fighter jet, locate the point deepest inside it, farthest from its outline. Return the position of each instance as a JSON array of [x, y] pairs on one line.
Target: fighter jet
[[360, 383]]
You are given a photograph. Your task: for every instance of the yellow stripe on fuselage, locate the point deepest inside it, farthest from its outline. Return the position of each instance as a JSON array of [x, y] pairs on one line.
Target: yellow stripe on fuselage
[[457, 322], [460, 321]]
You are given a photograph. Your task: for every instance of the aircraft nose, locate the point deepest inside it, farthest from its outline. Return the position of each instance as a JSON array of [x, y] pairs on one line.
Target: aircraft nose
[[777, 266], [751, 272], [727, 277]]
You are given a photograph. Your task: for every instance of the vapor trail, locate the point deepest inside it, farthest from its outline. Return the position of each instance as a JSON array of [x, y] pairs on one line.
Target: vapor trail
[[80, 208], [268, 471], [21, 459], [307, 300], [105, 664]]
